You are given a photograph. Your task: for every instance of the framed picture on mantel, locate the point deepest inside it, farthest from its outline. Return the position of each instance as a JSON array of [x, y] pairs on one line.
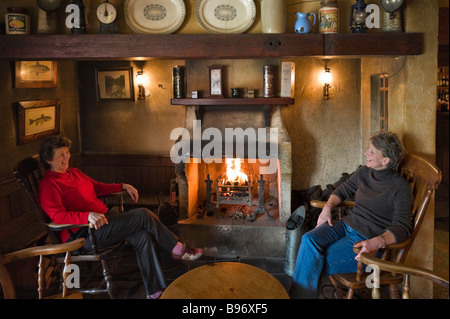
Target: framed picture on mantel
[[216, 80]]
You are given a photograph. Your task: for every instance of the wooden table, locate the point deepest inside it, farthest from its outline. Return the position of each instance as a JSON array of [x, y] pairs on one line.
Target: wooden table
[[226, 280]]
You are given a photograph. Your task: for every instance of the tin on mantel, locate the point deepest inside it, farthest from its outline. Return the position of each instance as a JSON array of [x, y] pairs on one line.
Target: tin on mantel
[[17, 21], [269, 73], [178, 82]]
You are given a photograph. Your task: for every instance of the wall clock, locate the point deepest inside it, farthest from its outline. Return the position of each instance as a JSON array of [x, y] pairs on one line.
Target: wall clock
[[107, 14]]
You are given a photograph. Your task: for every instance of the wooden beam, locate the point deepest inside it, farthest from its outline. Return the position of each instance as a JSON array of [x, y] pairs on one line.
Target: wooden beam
[[373, 44], [205, 46]]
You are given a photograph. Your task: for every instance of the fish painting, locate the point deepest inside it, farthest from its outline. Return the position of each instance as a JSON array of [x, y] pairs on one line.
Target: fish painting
[[38, 68], [40, 120]]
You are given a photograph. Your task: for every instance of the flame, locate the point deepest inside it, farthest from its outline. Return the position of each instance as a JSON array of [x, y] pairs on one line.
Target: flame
[[234, 173]]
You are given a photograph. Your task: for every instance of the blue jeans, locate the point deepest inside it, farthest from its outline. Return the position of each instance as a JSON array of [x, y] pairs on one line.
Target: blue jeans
[[327, 249]]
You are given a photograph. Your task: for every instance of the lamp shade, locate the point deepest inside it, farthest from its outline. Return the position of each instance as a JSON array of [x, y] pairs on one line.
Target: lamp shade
[[326, 76]]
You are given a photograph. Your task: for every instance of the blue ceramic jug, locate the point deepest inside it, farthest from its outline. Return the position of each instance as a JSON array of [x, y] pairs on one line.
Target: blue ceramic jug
[[303, 24]]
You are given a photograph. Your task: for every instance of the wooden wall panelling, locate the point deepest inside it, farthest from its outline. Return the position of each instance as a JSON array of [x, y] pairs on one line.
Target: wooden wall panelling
[[19, 226], [149, 174]]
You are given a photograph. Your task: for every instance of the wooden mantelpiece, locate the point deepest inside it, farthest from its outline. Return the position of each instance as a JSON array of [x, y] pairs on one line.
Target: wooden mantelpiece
[[206, 46], [235, 101], [261, 103]]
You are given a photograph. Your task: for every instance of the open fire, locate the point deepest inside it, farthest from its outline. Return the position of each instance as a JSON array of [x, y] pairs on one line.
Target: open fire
[[234, 174], [234, 191]]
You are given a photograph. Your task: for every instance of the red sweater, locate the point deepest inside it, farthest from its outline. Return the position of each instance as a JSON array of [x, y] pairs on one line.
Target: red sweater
[[69, 197]]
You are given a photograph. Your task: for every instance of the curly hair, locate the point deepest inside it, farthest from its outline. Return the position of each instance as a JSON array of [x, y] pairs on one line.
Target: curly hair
[[48, 146], [390, 146]]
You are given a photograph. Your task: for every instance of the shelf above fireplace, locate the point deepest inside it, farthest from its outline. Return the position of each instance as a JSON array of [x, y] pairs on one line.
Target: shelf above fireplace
[[258, 101]]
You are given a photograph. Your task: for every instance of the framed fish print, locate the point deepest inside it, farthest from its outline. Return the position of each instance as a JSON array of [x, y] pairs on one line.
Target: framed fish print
[[37, 119], [36, 74], [115, 83]]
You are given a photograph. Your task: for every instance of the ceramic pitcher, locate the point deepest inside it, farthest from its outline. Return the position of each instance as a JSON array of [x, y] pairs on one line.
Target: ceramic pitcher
[[303, 24]]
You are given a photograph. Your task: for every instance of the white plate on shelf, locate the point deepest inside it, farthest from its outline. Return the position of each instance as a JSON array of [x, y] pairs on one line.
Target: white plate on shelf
[[225, 16], [154, 16]]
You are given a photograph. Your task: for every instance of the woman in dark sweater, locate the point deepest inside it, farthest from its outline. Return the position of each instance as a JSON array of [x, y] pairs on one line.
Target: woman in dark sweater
[[381, 216]]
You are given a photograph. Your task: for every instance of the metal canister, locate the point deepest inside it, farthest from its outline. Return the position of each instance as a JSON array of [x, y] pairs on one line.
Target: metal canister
[[178, 82], [268, 88], [17, 21]]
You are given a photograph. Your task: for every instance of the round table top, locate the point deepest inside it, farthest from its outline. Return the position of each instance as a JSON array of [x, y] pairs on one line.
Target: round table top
[[226, 280]]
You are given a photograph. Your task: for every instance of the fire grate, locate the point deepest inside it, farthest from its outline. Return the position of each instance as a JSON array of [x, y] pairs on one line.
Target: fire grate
[[229, 194], [234, 194]]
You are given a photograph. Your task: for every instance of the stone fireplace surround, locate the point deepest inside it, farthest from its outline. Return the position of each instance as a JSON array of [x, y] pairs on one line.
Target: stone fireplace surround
[[228, 236]]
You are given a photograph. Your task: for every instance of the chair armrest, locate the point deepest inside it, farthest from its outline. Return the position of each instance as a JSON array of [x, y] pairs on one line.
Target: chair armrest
[[44, 250], [116, 194], [114, 199], [392, 247], [321, 204], [404, 269], [59, 227]]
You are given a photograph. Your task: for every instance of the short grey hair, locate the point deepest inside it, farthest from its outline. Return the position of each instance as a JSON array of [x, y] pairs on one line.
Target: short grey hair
[[390, 146]]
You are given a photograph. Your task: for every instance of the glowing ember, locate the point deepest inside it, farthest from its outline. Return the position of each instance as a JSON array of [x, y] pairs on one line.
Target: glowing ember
[[234, 174]]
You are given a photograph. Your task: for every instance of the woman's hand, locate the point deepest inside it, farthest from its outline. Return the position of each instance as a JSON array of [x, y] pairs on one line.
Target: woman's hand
[[96, 219], [325, 216], [131, 191], [369, 246], [372, 245]]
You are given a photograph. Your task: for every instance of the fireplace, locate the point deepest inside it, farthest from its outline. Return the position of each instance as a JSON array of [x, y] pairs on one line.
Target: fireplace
[[225, 216]]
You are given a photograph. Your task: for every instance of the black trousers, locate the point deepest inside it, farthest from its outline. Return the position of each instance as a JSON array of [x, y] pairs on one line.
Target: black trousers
[[137, 227]]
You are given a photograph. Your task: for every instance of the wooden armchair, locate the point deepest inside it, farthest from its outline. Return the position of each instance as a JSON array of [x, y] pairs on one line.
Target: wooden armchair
[[7, 284], [424, 178], [29, 172], [407, 271]]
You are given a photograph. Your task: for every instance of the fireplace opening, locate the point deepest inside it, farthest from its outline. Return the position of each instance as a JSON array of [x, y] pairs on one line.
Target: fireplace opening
[[232, 190]]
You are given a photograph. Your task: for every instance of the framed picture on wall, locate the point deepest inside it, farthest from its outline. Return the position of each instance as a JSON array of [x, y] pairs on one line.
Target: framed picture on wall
[[36, 74], [114, 83], [37, 119]]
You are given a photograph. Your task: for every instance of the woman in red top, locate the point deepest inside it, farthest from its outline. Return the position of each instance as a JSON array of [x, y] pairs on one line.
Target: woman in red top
[[68, 196]]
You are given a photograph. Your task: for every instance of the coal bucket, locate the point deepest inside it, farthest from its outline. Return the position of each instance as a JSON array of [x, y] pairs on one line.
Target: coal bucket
[[295, 228]]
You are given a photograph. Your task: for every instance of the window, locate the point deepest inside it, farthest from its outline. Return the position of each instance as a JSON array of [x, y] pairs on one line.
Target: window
[[379, 86]]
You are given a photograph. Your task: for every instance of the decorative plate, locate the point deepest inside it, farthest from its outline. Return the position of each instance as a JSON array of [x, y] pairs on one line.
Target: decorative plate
[[154, 16], [225, 16]]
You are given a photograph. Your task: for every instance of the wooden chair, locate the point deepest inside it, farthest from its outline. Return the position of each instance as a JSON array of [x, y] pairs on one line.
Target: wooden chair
[[29, 172], [407, 271], [424, 178], [6, 281]]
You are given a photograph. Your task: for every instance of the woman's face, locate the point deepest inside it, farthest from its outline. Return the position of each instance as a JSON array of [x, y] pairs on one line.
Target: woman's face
[[60, 160], [375, 158]]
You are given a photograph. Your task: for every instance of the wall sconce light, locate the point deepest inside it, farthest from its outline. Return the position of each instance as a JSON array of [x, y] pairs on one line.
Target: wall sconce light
[[140, 83], [326, 80], [358, 17]]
